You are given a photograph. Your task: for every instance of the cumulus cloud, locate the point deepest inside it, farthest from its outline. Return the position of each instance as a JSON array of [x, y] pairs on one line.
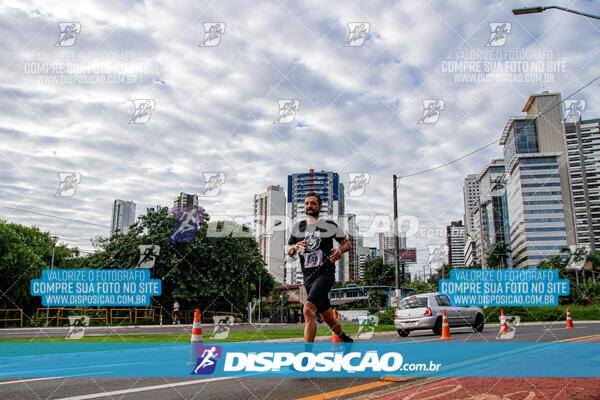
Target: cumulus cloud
[[215, 106]]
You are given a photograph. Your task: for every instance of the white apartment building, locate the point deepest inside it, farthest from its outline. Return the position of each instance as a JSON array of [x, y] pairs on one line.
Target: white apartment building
[[349, 259], [269, 229], [583, 146], [455, 240], [123, 216]]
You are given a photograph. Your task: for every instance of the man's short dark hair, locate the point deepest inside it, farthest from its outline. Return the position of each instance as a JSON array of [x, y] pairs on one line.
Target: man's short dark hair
[[313, 194]]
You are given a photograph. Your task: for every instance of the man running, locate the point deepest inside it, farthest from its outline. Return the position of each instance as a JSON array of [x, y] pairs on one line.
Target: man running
[[312, 239]]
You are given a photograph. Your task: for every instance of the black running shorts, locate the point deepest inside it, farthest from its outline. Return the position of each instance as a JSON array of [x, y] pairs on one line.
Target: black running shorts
[[318, 291]]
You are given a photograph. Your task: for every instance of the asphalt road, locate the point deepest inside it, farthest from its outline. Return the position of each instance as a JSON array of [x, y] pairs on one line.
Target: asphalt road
[[288, 388]]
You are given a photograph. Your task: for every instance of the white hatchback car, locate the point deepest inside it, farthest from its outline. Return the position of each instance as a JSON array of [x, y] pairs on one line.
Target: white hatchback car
[[424, 311]]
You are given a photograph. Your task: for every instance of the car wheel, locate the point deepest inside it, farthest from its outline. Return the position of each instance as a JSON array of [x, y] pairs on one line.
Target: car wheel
[[403, 332], [437, 328], [479, 323]]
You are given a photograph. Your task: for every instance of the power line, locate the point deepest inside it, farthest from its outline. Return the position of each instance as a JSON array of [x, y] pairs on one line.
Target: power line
[[55, 216], [451, 162], [496, 141]]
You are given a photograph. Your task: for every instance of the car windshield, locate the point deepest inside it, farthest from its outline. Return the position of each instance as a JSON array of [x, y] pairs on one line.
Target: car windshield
[[414, 302]]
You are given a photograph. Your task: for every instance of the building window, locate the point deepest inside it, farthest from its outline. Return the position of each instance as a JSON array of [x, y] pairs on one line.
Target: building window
[[540, 202]]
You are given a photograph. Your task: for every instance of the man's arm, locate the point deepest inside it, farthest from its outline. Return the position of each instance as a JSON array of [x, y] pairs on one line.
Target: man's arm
[[345, 246], [298, 247], [290, 249]]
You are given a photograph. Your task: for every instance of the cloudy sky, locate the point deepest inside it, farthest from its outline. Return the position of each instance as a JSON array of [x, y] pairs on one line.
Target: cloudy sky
[[67, 101]]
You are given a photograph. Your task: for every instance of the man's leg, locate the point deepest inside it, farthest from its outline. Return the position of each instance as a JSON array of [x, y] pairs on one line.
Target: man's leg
[[310, 321], [335, 325]]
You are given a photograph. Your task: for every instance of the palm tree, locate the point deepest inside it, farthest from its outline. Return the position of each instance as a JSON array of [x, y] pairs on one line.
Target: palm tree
[[594, 258], [581, 254], [498, 255]]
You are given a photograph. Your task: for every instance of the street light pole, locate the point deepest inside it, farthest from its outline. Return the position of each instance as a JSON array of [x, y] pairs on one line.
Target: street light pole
[[535, 10], [54, 239], [281, 308], [397, 294]]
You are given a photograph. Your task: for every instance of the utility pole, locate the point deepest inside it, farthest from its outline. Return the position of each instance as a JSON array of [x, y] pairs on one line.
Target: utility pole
[[54, 240], [396, 245]]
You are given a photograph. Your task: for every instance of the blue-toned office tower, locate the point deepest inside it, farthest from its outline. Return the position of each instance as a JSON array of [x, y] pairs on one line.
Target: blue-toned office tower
[[327, 184], [539, 198]]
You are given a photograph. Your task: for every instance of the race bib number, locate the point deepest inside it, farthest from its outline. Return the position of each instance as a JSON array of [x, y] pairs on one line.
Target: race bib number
[[314, 259]]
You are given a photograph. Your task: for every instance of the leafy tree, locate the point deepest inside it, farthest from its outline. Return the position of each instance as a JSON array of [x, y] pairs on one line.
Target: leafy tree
[[555, 262], [377, 300], [559, 263], [210, 273], [355, 282], [422, 287], [442, 273], [587, 293], [582, 254], [594, 258], [378, 273], [498, 256], [24, 253]]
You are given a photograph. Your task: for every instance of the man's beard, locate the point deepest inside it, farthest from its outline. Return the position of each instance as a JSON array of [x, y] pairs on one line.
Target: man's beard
[[312, 213]]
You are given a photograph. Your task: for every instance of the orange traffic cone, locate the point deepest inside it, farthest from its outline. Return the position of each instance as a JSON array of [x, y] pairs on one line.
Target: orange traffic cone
[[569, 320], [503, 324], [335, 338], [445, 326], [197, 328], [196, 338]]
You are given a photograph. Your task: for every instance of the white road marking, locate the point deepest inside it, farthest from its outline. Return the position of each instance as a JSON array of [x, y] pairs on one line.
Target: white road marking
[[560, 329], [144, 389], [29, 380]]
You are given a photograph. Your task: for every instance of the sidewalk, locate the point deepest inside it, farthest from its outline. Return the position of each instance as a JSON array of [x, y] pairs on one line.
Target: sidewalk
[[113, 327]]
